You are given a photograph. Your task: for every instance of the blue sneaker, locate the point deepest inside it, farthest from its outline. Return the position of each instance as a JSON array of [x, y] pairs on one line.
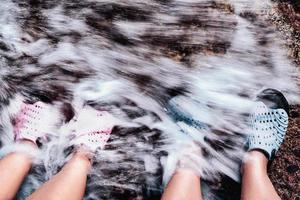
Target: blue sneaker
[[268, 125], [179, 114]]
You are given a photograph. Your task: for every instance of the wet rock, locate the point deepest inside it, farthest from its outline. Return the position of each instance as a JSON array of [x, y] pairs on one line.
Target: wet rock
[[3, 46], [286, 17], [252, 17], [294, 114], [292, 168], [297, 152]]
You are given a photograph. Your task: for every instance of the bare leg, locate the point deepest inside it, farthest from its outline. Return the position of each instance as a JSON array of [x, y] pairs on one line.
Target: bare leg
[[184, 185], [256, 183], [69, 183], [13, 169]]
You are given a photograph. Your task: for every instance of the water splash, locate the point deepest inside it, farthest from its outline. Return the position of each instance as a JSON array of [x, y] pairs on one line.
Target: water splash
[[132, 57]]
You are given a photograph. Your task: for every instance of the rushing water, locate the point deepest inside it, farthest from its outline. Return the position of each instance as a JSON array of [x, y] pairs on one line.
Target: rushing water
[[132, 57]]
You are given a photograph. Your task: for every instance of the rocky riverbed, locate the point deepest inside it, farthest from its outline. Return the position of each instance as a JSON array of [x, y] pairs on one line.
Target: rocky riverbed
[[286, 16], [285, 170], [132, 57]]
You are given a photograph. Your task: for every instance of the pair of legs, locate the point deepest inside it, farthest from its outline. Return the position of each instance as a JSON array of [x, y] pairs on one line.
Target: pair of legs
[[268, 125], [185, 184], [90, 129], [69, 183]]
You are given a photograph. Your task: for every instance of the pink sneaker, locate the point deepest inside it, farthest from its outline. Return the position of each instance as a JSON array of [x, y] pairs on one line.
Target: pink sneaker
[[91, 128], [34, 121]]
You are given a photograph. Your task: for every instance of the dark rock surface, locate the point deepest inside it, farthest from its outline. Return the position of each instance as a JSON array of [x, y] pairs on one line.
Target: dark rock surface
[[286, 16], [284, 170]]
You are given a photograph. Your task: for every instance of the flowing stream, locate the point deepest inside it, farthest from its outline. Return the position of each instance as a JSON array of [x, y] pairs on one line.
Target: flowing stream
[[131, 57]]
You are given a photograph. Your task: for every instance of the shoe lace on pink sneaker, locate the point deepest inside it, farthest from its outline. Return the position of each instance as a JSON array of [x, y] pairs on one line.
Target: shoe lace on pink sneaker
[[34, 121], [91, 128]]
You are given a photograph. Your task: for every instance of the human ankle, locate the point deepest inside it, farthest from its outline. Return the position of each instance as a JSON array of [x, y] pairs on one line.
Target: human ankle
[[258, 156], [27, 142], [255, 160], [83, 154], [187, 172]]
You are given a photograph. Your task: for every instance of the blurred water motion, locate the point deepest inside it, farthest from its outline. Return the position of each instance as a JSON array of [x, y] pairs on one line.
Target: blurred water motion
[[132, 57]]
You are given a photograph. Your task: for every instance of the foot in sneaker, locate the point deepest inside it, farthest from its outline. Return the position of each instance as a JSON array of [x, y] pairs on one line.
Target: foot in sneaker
[[35, 121], [268, 127], [176, 109], [91, 128]]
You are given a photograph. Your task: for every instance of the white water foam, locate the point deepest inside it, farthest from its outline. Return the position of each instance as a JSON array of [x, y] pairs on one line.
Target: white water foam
[[137, 78]]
